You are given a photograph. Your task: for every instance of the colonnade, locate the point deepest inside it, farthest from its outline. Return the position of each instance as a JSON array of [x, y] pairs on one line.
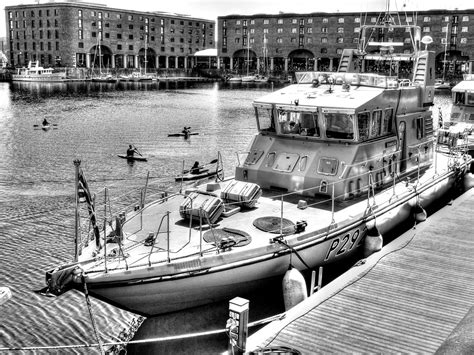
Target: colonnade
[[188, 61]]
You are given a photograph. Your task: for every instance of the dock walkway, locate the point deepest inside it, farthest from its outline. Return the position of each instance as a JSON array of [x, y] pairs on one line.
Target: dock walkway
[[408, 298]]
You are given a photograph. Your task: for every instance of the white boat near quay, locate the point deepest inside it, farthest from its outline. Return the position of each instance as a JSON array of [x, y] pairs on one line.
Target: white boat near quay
[[34, 72], [338, 159]]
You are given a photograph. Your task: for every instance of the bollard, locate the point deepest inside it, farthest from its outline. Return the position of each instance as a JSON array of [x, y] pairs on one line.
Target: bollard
[[237, 325]]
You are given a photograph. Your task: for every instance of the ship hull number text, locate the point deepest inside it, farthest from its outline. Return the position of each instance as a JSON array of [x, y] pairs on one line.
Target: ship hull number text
[[345, 243]]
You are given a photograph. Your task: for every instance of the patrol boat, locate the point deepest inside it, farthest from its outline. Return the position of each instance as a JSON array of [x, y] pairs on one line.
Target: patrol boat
[[339, 159]]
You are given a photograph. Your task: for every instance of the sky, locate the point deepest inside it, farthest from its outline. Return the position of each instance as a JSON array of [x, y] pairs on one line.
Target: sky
[[211, 9]]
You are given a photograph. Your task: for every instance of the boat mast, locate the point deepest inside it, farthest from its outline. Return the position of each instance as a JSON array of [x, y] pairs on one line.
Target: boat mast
[[445, 50], [264, 54], [248, 55]]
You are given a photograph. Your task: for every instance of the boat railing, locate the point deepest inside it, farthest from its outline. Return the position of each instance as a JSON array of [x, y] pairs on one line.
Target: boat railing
[[205, 223], [356, 79], [376, 158]]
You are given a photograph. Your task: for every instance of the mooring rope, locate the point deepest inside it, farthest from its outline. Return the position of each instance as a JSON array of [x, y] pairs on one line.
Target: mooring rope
[[142, 341], [89, 308]]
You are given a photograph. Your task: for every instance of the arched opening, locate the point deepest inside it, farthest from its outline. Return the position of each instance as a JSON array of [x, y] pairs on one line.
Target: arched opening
[[245, 61], [451, 65], [101, 57], [301, 60], [147, 61]]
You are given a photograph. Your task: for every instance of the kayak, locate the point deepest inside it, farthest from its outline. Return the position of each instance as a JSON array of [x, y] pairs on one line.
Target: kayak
[[132, 158], [46, 127], [182, 134], [203, 173]]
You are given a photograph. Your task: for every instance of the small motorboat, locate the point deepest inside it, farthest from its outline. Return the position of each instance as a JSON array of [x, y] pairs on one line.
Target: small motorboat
[[132, 158]]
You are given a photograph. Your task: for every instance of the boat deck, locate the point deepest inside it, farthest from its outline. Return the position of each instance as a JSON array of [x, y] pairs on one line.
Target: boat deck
[[408, 298], [185, 242]]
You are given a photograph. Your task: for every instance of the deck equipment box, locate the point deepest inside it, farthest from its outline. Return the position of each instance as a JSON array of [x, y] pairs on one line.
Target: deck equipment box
[[197, 201], [241, 193]]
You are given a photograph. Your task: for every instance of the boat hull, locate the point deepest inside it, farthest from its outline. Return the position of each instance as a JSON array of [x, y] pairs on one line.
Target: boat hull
[[132, 158], [149, 292]]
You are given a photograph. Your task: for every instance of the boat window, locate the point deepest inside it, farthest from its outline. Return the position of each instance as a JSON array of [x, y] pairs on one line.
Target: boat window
[[459, 98], [387, 127], [470, 98], [270, 159], [265, 120], [286, 162], [289, 122], [309, 124], [303, 162], [420, 128], [376, 124], [363, 119], [339, 125], [327, 166]]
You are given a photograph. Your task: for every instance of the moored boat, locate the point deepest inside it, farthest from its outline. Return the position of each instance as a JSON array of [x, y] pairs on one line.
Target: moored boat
[[459, 125], [34, 72], [336, 156], [441, 84]]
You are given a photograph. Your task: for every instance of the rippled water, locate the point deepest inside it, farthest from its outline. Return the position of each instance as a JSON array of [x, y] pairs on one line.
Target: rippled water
[[95, 122]]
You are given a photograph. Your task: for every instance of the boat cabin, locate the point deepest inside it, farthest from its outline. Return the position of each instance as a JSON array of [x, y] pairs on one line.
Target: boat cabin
[[34, 69], [463, 101], [342, 133]]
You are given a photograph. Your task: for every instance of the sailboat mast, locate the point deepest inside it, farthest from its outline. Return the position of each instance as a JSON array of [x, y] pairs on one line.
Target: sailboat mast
[[248, 55], [445, 50], [146, 49]]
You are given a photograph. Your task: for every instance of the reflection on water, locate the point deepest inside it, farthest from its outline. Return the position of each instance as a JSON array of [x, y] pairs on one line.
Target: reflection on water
[[95, 122]]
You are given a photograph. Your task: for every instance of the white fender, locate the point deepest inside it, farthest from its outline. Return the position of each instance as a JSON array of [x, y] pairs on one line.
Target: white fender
[[373, 242], [294, 288]]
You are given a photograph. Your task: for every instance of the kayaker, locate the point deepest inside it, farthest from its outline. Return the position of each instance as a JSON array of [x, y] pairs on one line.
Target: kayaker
[[186, 131], [45, 122], [131, 151], [196, 169]]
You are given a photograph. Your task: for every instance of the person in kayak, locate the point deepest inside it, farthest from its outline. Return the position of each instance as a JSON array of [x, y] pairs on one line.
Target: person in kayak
[[196, 168], [45, 122], [131, 151], [186, 131]]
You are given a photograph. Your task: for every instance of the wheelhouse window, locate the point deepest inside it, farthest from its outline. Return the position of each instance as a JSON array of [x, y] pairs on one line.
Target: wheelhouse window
[[339, 125], [375, 124], [265, 119], [300, 123]]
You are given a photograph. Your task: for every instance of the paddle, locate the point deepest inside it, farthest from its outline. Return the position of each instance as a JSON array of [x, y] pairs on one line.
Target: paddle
[[136, 149]]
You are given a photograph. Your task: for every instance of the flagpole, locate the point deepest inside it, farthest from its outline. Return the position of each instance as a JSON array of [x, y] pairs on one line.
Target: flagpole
[[77, 164]]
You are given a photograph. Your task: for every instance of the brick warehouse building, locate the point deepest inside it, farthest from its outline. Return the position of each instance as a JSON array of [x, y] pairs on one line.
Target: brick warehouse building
[[68, 33], [289, 41]]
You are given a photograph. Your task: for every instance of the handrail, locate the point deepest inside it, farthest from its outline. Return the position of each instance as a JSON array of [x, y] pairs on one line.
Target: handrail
[[379, 157], [155, 237]]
